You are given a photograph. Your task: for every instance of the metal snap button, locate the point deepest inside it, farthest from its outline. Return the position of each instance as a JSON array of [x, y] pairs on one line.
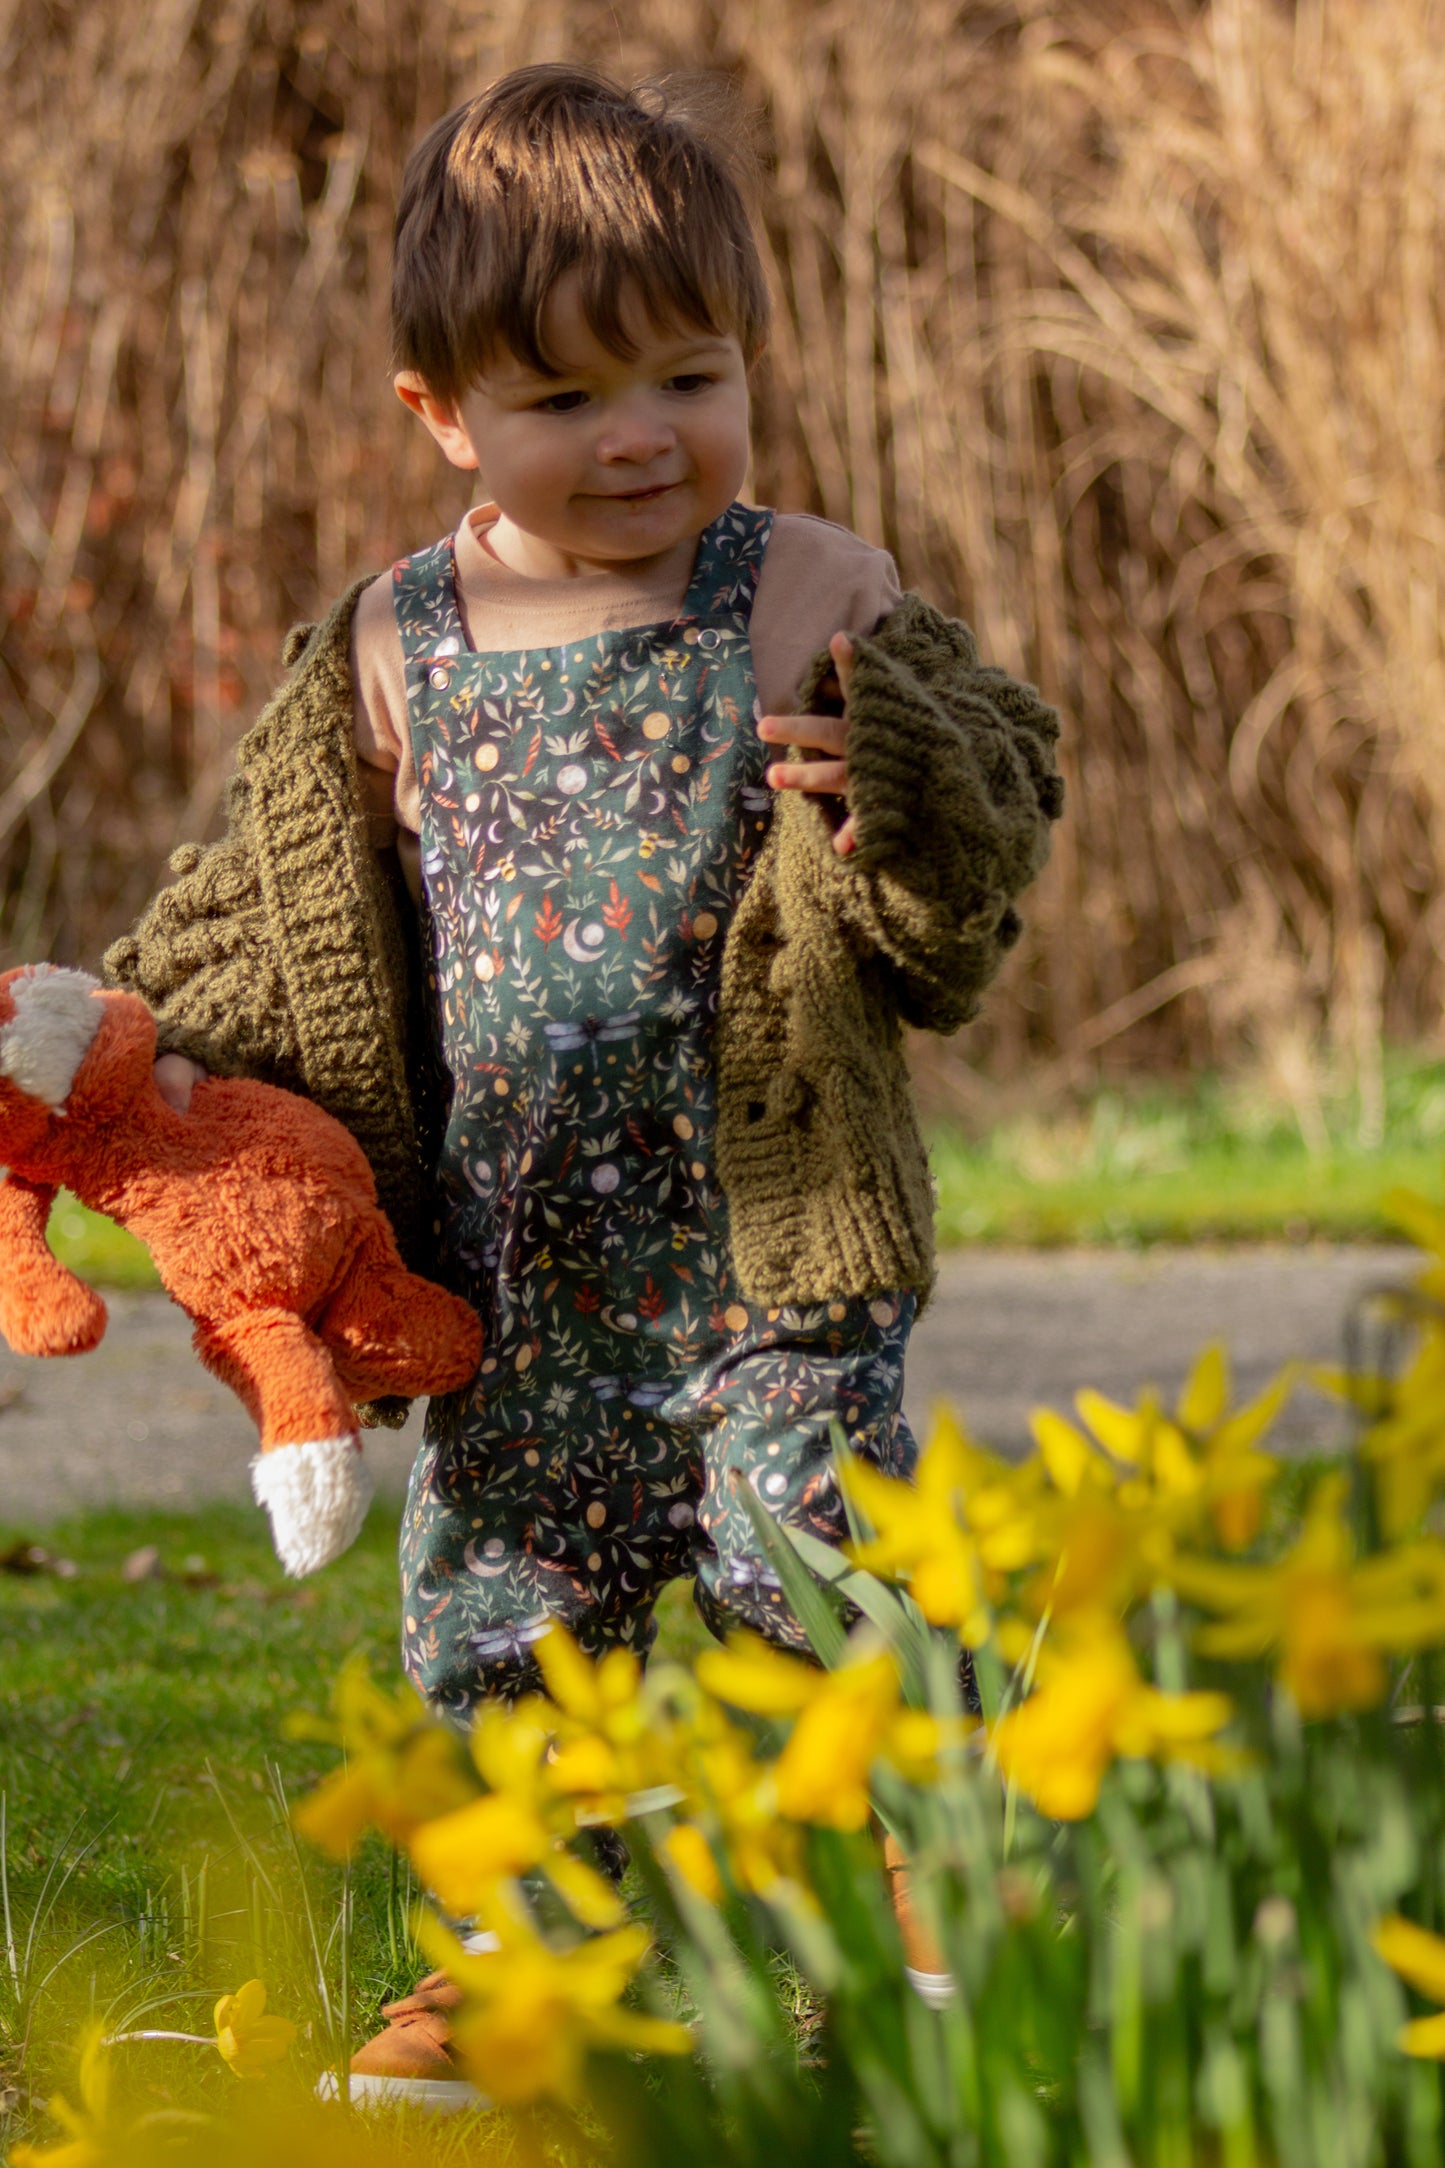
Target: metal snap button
[[439, 678], [709, 637]]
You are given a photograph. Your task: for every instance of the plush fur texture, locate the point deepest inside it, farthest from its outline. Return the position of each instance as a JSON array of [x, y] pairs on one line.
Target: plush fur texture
[[260, 1213], [50, 1032], [316, 1494]]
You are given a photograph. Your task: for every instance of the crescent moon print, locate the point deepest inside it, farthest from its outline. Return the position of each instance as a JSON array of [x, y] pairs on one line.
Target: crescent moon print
[[485, 1567], [582, 938]]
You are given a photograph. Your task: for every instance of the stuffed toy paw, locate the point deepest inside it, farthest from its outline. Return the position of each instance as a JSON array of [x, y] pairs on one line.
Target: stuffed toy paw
[[260, 1213]]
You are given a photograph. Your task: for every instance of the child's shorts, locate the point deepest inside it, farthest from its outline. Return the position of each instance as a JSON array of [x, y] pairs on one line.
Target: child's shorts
[[582, 1504]]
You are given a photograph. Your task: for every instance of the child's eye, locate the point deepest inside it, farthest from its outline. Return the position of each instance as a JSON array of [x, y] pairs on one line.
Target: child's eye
[[562, 402], [691, 380]]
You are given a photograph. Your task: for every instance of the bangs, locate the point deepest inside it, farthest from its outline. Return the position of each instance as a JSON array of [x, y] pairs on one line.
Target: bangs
[[557, 171]]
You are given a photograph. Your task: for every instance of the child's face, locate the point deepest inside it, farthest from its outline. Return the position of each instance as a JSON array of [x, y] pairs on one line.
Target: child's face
[[611, 461]]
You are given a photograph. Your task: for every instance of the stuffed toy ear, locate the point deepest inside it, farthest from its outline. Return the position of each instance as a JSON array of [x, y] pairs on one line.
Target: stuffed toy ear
[[316, 1494], [48, 1037]]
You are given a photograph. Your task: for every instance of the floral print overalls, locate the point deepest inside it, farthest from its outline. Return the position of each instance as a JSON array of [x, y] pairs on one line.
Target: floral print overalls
[[590, 816]]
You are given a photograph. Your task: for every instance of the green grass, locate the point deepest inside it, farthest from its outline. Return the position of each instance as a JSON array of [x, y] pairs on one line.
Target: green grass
[[143, 1762], [97, 1249], [1217, 1162]]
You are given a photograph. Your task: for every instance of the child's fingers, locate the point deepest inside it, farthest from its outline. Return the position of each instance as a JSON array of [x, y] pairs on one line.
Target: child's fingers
[[176, 1078], [840, 647], [846, 840], [827, 776], [823, 733]]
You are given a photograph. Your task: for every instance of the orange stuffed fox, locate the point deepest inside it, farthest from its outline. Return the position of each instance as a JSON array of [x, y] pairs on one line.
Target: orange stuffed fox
[[260, 1213]]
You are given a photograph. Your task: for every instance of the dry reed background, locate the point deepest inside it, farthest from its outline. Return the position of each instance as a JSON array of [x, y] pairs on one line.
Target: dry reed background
[[1120, 321]]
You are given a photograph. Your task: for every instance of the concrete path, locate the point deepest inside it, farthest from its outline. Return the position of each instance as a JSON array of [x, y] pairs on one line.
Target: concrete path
[[140, 1423]]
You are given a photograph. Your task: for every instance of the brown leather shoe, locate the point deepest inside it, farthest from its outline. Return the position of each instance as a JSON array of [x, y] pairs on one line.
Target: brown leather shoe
[[410, 2061], [923, 1961]]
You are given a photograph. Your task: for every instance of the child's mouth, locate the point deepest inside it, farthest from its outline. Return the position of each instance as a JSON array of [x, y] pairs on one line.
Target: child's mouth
[[640, 496]]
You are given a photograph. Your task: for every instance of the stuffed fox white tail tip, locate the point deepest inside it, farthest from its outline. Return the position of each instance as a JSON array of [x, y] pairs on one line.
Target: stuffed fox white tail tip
[[316, 1494]]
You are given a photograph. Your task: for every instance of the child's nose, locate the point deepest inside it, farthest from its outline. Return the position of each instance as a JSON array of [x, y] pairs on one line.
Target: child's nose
[[635, 433]]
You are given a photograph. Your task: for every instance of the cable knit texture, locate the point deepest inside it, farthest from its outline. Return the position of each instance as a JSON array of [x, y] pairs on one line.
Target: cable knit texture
[[285, 950], [281, 951], [953, 785]]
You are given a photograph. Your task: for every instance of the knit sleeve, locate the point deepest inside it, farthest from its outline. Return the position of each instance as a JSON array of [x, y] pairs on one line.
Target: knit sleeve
[[953, 785], [202, 959]]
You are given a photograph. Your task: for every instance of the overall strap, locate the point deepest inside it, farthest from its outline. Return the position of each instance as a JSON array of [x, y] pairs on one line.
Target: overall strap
[[729, 561], [424, 598]]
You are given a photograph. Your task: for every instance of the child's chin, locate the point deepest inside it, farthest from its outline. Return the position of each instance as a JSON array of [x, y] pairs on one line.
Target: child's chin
[[632, 526]]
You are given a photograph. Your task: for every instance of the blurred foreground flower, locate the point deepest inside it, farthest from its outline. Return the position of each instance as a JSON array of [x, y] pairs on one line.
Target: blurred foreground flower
[[402, 1767], [847, 1720], [1332, 1621], [952, 1532], [610, 1740], [531, 2013], [1092, 1707], [89, 2126], [1419, 1958], [1405, 1438], [249, 2042], [519, 1825]]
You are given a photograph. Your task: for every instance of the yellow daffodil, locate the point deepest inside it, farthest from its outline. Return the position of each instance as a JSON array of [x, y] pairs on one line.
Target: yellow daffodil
[[688, 1853], [531, 2014], [846, 1720], [753, 1674], [402, 1768], [1129, 1483], [950, 1533], [610, 1739], [1138, 1477], [517, 1827], [1407, 1440], [1091, 1707], [734, 1796], [250, 2042], [1331, 1621], [88, 2143], [1418, 1957], [548, 1763], [1407, 1444]]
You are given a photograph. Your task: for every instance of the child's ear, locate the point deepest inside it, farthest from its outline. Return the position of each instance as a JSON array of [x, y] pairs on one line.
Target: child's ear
[[441, 416]]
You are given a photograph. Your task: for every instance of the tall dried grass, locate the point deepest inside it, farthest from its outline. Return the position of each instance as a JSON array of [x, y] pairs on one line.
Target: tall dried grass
[[1120, 321]]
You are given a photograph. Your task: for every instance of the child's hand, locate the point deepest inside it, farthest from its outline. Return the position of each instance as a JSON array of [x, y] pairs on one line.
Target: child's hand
[[176, 1078], [823, 734]]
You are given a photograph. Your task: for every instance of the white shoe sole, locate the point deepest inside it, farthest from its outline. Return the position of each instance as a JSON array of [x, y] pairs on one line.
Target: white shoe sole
[[437, 2096], [937, 1989]]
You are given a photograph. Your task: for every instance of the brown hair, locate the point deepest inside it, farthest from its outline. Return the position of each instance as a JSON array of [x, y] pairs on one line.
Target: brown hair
[[555, 169]]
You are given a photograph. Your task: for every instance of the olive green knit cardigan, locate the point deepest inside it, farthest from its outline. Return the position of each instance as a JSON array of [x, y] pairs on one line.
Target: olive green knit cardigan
[[289, 950]]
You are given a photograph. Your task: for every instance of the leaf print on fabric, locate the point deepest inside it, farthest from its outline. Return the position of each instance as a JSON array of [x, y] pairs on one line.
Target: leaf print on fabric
[[617, 911]]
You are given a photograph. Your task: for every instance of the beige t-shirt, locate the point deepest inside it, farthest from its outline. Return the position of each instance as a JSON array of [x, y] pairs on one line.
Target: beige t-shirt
[[816, 579]]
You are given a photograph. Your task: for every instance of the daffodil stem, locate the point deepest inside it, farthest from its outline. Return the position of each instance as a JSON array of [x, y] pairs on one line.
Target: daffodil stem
[[191, 2040]]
